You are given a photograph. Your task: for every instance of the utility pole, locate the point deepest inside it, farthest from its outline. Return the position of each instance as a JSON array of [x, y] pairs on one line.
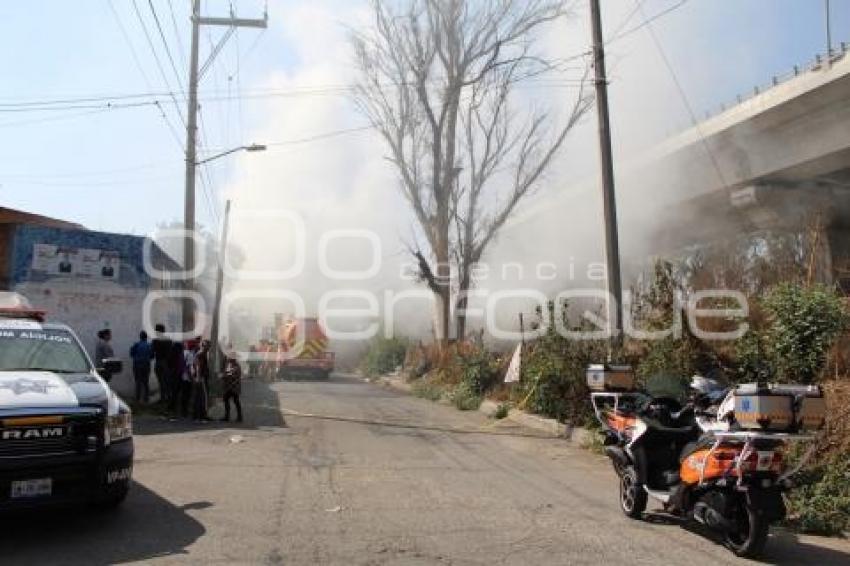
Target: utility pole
[[219, 286], [232, 23], [191, 165], [612, 246], [828, 32]]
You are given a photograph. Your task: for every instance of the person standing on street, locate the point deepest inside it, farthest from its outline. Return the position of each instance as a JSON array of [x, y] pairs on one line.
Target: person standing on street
[[175, 377], [187, 381], [200, 383], [142, 353], [103, 351], [161, 347], [253, 363], [232, 382]]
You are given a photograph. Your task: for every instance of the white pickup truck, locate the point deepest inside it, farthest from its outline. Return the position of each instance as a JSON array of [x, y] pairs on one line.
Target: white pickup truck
[[65, 436]]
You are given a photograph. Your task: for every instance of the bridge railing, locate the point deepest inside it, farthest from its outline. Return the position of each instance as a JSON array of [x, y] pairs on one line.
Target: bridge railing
[[817, 64]]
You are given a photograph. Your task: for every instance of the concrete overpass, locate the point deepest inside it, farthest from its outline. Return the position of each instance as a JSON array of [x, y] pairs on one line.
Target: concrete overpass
[[778, 159]]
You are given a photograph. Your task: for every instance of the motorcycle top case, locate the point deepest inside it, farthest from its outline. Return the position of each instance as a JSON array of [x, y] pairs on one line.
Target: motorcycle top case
[[809, 405], [779, 408], [610, 378]]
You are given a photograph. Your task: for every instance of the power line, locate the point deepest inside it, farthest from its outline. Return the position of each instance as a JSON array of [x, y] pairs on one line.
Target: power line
[[141, 69], [647, 21], [208, 187], [318, 137], [165, 45], [156, 60], [51, 118], [625, 22], [180, 50], [694, 121], [89, 101]]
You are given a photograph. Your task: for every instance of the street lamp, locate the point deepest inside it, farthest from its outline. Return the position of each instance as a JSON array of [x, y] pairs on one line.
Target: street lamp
[[251, 148], [189, 251]]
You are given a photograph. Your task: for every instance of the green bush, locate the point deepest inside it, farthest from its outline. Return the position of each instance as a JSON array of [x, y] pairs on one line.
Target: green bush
[[384, 356], [752, 360], [479, 370], [554, 374], [465, 398], [804, 323], [821, 502], [427, 390], [502, 411]]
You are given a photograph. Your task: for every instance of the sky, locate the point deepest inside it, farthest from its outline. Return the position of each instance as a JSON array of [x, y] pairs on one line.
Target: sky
[[121, 169]]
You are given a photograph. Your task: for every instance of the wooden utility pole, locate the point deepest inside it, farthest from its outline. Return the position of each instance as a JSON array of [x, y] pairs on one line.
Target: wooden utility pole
[[612, 246], [191, 138]]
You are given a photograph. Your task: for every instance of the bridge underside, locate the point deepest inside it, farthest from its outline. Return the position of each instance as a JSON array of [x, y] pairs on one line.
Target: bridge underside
[[780, 162]]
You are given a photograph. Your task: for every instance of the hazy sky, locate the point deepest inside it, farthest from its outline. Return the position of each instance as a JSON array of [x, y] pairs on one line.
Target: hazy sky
[[122, 170]]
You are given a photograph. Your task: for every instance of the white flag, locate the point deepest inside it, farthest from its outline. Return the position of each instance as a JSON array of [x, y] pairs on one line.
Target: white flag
[[512, 376]]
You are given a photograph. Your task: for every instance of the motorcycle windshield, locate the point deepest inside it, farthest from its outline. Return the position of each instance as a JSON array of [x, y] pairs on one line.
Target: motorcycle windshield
[[663, 385]]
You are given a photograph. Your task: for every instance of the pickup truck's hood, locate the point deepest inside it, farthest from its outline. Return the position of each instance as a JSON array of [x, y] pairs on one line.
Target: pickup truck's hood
[[19, 389]]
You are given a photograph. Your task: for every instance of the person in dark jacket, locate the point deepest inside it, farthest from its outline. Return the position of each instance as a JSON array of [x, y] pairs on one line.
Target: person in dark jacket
[[175, 376], [161, 347], [200, 382], [142, 353], [232, 382], [103, 351]]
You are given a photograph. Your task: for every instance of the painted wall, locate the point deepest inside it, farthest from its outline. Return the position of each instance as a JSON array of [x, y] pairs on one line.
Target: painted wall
[[88, 303]]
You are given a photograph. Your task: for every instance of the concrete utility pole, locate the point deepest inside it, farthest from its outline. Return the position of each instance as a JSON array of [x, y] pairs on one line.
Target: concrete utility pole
[[612, 246], [191, 137], [828, 32], [219, 286]]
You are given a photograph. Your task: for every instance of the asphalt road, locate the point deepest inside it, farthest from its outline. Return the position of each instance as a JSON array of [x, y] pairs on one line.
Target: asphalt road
[[345, 472]]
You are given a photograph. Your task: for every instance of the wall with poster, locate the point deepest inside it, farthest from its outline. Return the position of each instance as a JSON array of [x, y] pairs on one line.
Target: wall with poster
[[90, 281], [69, 261]]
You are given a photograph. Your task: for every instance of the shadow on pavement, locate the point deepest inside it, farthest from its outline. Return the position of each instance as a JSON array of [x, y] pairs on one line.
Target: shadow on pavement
[[260, 404], [787, 548], [146, 526], [783, 547]]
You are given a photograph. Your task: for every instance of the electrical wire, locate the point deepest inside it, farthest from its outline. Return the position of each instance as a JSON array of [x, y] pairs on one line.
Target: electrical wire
[[157, 61], [180, 50], [215, 96], [682, 94], [208, 186], [141, 69], [647, 21], [177, 76]]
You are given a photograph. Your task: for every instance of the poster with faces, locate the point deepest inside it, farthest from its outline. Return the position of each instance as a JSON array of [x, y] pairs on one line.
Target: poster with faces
[[65, 261]]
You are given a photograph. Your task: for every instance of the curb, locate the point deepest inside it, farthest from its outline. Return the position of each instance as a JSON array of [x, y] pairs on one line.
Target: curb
[[575, 435], [397, 384]]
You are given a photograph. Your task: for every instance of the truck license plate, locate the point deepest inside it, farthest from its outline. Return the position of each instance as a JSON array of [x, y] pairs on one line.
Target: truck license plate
[[32, 488]]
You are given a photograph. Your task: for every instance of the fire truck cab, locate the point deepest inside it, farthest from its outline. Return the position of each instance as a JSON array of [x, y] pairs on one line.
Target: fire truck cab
[[304, 350]]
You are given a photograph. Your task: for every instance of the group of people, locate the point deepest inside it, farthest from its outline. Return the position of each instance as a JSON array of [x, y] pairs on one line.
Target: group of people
[[184, 371], [267, 359]]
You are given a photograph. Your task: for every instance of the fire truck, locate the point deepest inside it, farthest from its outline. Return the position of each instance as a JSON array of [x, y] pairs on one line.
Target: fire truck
[[65, 436], [303, 349]]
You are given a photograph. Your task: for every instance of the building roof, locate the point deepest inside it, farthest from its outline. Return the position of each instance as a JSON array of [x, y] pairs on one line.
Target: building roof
[[12, 216]]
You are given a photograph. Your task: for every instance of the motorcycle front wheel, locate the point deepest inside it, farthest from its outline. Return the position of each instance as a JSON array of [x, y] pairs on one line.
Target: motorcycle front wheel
[[632, 494], [748, 540]]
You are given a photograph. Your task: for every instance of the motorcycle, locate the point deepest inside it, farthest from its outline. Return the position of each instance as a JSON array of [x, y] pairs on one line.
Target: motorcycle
[[699, 466]]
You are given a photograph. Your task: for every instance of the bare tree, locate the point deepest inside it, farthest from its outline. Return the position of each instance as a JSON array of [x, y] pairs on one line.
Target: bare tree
[[436, 78]]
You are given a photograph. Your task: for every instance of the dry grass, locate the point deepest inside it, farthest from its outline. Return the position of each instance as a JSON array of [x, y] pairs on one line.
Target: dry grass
[[836, 436]]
